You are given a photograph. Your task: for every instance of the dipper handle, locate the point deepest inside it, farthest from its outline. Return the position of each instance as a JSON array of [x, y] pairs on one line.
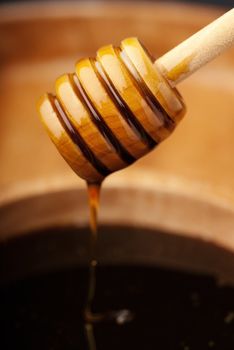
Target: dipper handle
[[202, 47]]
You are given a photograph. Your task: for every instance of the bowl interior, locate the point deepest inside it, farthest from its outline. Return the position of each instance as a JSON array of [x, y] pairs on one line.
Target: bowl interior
[[156, 277]]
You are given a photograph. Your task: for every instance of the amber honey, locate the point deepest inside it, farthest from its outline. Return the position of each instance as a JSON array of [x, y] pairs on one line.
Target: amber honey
[[43, 308]]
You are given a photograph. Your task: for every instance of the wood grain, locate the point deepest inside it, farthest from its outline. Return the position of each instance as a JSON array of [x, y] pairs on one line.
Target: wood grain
[[199, 49]]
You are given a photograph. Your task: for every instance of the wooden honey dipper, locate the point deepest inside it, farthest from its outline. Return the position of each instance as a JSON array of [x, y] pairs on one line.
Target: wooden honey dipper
[[116, 108]]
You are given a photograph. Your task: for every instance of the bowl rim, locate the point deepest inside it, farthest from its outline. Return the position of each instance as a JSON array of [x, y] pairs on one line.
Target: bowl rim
[[158, 204]]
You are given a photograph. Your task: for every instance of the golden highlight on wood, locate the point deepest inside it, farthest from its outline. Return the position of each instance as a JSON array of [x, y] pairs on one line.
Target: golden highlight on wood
[[113, 110]]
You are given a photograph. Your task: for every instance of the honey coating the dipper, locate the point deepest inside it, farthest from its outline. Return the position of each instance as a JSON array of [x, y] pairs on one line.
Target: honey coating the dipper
[[113, 110]]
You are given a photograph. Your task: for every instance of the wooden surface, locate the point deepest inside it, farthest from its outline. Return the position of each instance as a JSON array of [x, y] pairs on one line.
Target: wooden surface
[[185, 185]]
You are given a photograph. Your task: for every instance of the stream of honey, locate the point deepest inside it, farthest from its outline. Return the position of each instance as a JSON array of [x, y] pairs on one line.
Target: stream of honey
[[90, 318], [118, 316], [93, 198]]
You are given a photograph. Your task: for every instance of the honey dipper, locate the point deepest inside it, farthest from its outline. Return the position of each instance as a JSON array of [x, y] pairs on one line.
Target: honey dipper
[[116, 108]]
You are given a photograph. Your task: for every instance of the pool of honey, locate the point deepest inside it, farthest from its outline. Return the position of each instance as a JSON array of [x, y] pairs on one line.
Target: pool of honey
[[44, 289]]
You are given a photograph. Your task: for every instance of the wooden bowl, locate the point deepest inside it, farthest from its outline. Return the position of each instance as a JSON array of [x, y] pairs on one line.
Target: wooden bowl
[[185, 186]]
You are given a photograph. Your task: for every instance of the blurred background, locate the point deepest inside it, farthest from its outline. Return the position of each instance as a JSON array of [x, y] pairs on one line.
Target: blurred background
[[211, 2], [228, 3]]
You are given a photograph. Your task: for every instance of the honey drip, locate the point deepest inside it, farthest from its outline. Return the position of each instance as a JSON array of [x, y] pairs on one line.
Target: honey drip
[[118, 316], [93, 197]]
